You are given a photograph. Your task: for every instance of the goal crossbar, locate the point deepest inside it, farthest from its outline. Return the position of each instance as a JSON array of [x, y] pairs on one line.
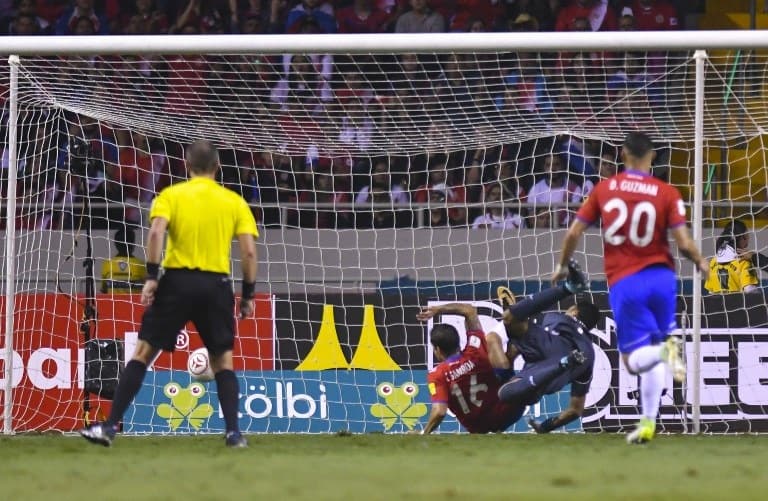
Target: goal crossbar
[[379, 43]]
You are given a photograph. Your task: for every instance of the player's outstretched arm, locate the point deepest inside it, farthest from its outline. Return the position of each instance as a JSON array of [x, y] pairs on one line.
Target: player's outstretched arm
[[467, 311], [249, 263], [436, 416], [688, 249], [570, 241], [574, 411]]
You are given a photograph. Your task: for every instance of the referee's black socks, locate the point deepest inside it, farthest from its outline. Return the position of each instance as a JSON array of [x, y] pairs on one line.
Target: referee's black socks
[[127, 388], [228, 389], [538, 302]]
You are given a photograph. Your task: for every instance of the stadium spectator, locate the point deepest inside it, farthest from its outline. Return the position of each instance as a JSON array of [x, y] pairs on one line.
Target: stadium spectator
[[523, 22], [24, 25], [542, 219], [738, 229], [39, 184], [27, 21], [525, 88], [555, 187], [186, 83], [51, 10], [253, 23], [652, 15], [71, 20], [464, 13], [354, 87], [476, 26], [357, 128], [627, 23], [135, 173], [205, 16], [328, 190], [420, 19], [497, 217], [124, 273], [317, 10], [607, 167], [305, 81], [439, 189], [145, 19], [84, 26], [381, 181], [362, 17], [732, 270], [536, 15], [599, 15], [456, 88]]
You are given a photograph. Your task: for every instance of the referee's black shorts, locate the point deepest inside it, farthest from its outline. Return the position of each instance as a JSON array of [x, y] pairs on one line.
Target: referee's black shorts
[[202, 297]]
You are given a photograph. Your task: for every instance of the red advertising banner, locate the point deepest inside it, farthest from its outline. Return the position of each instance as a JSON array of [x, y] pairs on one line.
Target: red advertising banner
[[48, 356]]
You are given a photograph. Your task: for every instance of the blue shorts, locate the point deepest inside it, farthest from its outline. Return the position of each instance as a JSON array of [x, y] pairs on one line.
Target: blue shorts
[[643, 307]]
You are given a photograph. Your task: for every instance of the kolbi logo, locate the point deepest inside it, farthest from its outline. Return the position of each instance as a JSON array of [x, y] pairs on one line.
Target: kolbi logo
[[281, 402]]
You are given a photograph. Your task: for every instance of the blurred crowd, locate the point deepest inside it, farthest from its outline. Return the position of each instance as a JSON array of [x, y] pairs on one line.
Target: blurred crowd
[[88, 17], [65, 157]]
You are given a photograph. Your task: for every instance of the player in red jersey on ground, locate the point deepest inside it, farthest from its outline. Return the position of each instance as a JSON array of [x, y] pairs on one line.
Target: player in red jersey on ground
[[637, 210], [477, 383], [465, 381]]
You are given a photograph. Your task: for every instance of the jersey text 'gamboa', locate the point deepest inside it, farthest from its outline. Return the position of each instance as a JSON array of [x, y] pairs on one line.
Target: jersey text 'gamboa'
[[637, 209]]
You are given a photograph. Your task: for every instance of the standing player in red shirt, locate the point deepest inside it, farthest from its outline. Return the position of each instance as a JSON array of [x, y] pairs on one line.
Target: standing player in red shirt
[[637, 210]]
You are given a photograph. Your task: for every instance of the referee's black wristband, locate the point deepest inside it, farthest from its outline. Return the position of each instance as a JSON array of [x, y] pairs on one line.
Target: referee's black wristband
[[153, 270], [249, 289]]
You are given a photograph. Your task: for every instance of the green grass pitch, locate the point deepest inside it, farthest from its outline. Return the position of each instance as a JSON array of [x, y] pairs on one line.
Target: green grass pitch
[[557, 466]]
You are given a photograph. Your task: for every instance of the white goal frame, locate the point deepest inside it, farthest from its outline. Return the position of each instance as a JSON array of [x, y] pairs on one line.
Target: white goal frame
[[698, 41]]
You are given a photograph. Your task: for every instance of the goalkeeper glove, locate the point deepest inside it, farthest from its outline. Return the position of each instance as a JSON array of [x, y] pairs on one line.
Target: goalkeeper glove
[[543, 426]]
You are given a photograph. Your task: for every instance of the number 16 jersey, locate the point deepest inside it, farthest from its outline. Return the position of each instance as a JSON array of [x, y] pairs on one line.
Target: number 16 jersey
[[637, 209], [467, 383]]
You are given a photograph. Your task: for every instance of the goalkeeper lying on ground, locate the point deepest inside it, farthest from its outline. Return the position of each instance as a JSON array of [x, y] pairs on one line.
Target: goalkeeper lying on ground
[[469, 382], [555, 348]]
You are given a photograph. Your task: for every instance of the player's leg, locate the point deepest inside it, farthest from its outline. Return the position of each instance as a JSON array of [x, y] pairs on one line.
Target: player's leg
[[635, 324], [160, 324], [215, 322], [527, 386], [575, 282], [663, 303]]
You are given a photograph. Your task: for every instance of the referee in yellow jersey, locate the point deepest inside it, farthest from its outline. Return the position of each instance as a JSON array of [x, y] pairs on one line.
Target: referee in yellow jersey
[[201, 218]]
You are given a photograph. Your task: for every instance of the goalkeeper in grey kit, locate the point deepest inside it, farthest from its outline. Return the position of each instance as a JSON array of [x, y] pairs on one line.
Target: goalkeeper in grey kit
[[555, 347]]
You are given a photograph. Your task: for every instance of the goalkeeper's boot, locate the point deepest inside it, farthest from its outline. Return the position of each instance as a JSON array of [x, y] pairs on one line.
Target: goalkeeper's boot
[[99, 433], [672, 354], [505, 296], [644, 432], [235, 440], [576, 281]]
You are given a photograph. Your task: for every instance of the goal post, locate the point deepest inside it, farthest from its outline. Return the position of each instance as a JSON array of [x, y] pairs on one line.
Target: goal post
[[344, 261]]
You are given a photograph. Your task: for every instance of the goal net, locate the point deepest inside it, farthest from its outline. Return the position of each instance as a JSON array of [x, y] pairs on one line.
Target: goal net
[[382, 183]]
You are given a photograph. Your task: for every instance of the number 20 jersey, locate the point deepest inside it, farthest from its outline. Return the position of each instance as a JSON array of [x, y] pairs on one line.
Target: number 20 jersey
[[636, 209], [467, 383]]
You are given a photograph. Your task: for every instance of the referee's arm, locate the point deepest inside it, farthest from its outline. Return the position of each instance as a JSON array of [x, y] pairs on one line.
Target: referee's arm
[[249, 262], [154, 255]]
